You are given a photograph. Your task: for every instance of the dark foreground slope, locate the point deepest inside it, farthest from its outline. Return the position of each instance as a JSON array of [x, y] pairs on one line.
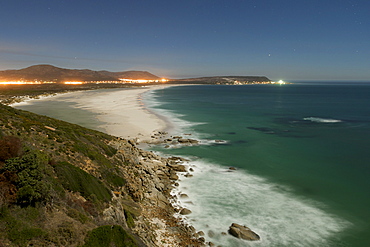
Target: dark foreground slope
[[65, 185]]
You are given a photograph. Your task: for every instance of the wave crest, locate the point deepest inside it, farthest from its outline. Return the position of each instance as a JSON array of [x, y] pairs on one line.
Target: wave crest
[[322, 120]]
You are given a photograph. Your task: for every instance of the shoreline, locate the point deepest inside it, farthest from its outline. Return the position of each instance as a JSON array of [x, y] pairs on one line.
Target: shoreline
[[120, 112]]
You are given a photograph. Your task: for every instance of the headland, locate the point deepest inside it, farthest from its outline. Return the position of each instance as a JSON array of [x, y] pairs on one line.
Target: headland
[[137, 197]]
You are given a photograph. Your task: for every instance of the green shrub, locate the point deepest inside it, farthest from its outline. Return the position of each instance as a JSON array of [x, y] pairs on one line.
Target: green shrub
[[112, 235], [75, 179], [30, 172]]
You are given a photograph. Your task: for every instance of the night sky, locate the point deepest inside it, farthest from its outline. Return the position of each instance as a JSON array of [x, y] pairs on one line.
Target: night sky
[[281, 39]]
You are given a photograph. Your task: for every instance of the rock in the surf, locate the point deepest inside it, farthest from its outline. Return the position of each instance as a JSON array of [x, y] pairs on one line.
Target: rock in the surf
[[185, 211], [243, 232]]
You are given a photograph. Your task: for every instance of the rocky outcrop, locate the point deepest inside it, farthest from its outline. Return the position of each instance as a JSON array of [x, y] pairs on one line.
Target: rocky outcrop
[[163, 138], [243, 232], [149, 181], [187, 141]]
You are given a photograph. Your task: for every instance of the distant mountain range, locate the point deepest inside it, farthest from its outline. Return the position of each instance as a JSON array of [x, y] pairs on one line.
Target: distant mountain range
[[46, 72], [49, 73]]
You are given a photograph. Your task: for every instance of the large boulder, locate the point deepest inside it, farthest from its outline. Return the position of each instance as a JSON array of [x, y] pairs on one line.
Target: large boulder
[[243, 232], [185, 211], [187, 141], [178, 168]]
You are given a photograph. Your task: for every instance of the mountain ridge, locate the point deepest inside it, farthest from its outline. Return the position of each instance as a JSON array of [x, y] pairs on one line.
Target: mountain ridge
[[46, 72], [50, 73]]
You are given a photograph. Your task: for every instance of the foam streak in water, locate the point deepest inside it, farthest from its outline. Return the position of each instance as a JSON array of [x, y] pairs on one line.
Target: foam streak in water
[[322, 120]]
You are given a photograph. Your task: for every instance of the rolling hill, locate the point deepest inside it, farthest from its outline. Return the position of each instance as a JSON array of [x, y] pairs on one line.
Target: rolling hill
[[45, 72]]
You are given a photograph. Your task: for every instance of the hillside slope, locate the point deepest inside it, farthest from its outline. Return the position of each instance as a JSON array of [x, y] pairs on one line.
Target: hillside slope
[[65, 185]]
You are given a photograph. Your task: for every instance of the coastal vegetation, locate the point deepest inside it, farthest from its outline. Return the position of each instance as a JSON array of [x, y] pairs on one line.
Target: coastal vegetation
[[50, 168], [65, 185]]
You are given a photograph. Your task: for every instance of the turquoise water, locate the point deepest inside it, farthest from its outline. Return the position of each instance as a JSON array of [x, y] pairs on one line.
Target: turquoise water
[[302, 159]]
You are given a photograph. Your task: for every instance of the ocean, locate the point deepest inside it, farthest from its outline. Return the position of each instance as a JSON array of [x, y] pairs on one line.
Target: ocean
[[301, 153]]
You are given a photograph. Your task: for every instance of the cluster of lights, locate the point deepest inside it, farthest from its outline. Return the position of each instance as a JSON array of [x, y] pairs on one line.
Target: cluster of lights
[[73, 82], [142, 80], [80, 82], [280, 82], [19, 82]]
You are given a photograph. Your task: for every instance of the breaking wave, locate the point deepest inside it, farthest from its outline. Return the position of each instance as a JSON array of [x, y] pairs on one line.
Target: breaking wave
[[322, 120]]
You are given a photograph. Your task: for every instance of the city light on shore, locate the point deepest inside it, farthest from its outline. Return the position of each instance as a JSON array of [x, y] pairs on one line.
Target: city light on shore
[[280, 82], [142, 80], [73, 82], [18, 82], [121, 81]]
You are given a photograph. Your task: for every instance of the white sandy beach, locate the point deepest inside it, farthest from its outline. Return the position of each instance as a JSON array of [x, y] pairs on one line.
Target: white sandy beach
[[122, 112]]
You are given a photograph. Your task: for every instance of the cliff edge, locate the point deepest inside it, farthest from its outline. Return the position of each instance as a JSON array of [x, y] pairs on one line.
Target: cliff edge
[[65, 185]]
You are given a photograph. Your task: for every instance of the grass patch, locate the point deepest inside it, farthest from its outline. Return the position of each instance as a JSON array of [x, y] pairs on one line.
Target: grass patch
[[129, 219], [77, 180], [20, 225], [113, 178], [75, 214], [111, 235]]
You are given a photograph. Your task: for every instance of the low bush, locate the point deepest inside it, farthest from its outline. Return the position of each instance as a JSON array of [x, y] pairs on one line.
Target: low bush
[[29, 172], [10, 147]]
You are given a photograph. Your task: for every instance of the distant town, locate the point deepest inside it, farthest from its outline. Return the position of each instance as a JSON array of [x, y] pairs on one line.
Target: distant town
[[48, 74], [120, 81]]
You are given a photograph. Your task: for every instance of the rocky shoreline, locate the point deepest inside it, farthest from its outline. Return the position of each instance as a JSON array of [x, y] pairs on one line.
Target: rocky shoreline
[[150, 183]]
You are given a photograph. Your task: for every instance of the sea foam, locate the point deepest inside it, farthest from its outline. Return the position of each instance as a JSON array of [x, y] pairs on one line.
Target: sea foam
[[219, 197]]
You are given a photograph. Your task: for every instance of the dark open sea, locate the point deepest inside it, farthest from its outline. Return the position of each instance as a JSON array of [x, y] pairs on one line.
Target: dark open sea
[[301, 153]]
